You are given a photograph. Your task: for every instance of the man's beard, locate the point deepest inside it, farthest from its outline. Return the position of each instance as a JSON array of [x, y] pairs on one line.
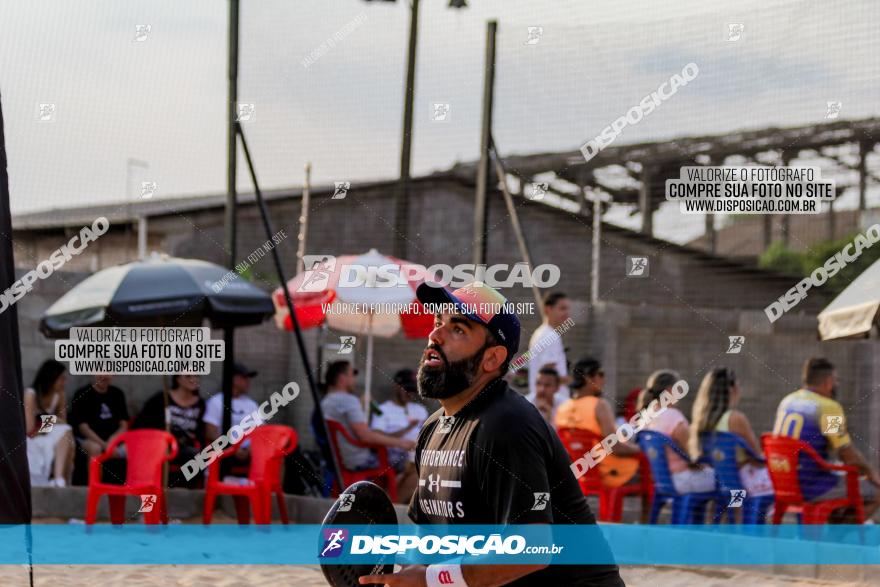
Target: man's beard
[[452, 378]]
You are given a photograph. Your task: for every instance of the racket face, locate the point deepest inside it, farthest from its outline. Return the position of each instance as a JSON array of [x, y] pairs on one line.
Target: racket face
[[364, 504]]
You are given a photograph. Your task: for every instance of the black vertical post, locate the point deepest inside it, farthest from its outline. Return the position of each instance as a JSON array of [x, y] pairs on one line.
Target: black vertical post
[[267, 225], [15, 481], [483, 171], [401, 203], [231, 115], [646, 203]]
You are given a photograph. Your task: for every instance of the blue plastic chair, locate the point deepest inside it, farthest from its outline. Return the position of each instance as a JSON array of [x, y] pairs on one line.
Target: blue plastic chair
[[720, 451], [687, 508]]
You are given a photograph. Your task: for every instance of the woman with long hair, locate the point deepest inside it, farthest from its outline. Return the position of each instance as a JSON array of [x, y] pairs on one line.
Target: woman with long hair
[[687, 477], [50, 445], [715, 411], [186, 408]]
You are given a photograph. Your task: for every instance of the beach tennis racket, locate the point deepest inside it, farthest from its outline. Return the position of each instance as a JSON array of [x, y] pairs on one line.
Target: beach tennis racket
[[363, 504]]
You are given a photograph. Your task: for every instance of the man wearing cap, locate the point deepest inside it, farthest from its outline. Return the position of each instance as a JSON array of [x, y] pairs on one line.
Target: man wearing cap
[[401, 417], [242, 405], [487, 455]]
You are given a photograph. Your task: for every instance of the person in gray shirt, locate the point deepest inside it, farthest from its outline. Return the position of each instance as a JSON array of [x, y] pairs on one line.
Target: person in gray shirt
[[341, 404]]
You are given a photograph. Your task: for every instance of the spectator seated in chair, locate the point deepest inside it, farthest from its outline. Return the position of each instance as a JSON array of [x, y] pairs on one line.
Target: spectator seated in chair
[[341, 404], [186, 409], [811, 414], [715, 410]]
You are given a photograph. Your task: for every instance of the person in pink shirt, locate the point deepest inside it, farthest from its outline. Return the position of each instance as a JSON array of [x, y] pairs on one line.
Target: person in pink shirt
[[687, 477]]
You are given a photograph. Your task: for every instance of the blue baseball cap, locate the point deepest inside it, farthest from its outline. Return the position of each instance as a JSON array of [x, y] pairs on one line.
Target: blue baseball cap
[[482, 304]]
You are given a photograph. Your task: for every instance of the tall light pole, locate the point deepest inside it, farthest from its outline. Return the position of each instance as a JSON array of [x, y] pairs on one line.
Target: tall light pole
[[229, 221], [129, 164], [401, 199]]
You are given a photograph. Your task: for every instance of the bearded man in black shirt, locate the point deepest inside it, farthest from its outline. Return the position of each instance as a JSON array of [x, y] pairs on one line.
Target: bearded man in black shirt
[[487, 456]]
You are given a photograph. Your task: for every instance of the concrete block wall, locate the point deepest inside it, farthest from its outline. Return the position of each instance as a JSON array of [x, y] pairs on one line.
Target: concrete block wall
[[679, 316]]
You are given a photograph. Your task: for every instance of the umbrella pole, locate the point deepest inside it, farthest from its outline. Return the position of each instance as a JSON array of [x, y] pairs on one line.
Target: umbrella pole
[[319, 354], [165, 394], [264, 214], [369, 368], [167, 418]]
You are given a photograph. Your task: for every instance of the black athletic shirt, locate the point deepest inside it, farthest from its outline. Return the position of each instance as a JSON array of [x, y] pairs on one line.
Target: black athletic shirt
[[103, 412], [485, 464]]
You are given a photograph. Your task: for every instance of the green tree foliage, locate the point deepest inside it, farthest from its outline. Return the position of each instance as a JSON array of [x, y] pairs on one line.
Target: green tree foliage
[[780, 258]]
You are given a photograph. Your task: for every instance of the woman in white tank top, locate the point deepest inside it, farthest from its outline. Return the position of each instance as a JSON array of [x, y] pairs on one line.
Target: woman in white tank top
[[50, 444]]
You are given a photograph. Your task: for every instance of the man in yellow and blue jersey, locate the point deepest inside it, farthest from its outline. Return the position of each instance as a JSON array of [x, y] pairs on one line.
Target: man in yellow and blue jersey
[[813, 416]]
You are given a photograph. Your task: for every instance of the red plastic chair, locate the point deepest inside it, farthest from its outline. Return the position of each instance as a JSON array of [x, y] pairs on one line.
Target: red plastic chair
[[146, 452], [578, 442], [383, 474], [269, 445], [783, 454]]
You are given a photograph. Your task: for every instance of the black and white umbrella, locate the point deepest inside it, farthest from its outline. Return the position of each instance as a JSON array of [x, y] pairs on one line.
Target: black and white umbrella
[[159, 290]]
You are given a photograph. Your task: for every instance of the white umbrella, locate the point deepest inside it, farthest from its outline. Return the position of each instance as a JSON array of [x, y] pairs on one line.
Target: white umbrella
[[854, 312], [369, 306]]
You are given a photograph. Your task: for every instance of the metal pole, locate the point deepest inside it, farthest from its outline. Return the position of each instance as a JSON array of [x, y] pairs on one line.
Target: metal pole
[[129, 163], [480, 216], [864, 149], [368, 377], [264, 214], [304, 221], [646, 205], [142, 237], [401, 203], [232, 72], [597, 242], [786, 218], [514, 221]]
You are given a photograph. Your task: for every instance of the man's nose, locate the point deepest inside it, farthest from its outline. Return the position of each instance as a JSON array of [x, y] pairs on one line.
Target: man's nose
[[436, 335]]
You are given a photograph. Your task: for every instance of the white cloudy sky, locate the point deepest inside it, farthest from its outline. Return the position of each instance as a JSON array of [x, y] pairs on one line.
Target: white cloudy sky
[[163, 100]]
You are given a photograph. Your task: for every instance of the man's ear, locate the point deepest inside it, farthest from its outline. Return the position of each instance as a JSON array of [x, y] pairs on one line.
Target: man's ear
[[494, 358]]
